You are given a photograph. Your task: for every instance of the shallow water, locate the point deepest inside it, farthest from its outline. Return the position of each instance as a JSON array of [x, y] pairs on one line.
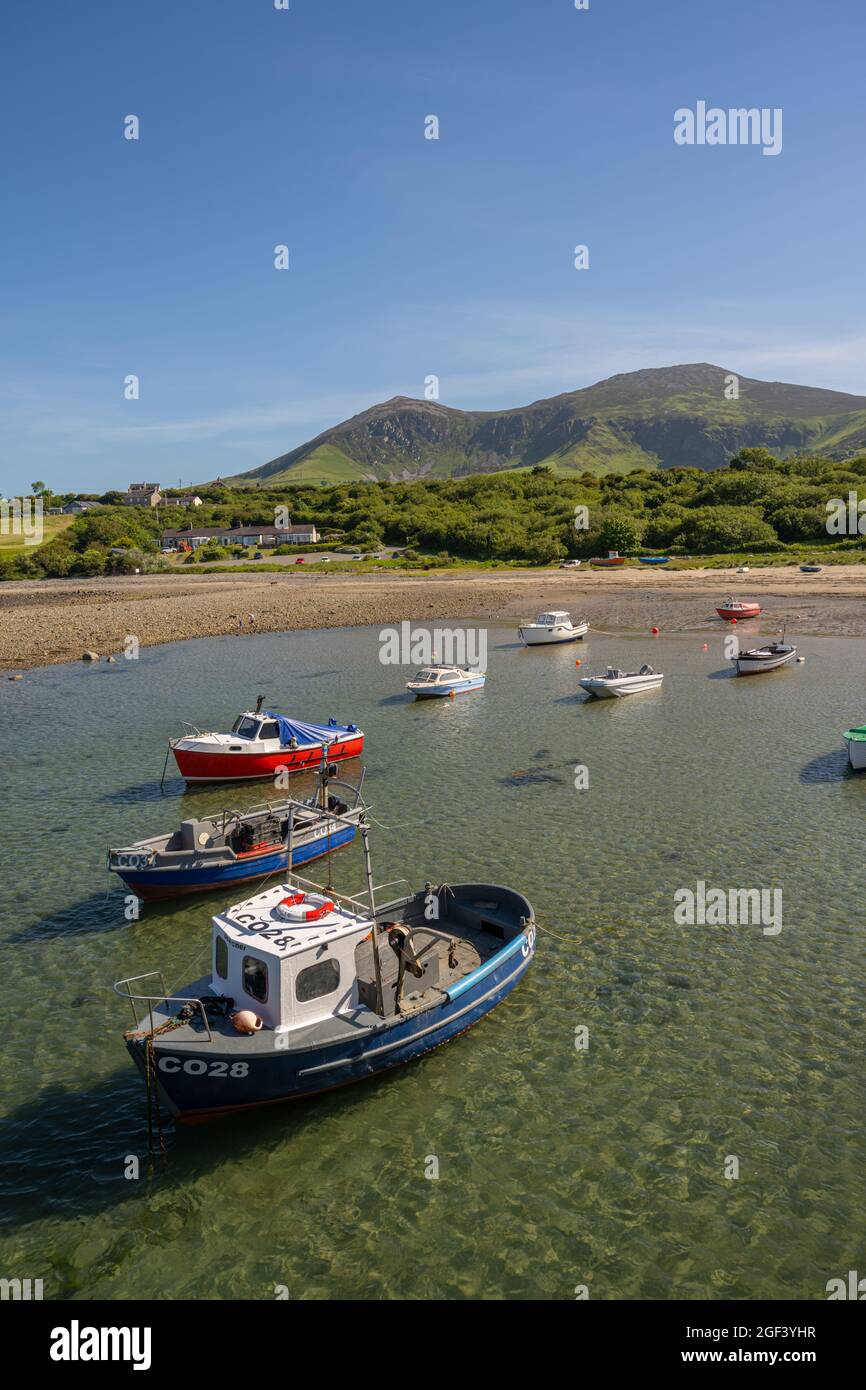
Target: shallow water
[[557, 1167]]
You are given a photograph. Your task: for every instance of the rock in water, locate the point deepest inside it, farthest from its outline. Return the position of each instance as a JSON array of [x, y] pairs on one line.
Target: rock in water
[[90, 656]]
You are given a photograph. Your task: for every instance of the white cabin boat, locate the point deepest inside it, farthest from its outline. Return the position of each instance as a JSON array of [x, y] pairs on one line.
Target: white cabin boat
[[615, 683], [551, 627], [439, 679]]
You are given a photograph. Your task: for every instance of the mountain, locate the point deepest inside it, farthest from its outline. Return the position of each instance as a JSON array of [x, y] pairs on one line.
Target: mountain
[[662, 417]]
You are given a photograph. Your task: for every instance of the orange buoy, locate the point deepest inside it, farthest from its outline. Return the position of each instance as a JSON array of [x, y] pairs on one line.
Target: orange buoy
[[245, 1021], [451, 694], [577, 662]]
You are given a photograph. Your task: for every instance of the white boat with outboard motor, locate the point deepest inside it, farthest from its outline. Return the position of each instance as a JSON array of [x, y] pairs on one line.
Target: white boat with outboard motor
[[615, 683], [552, 627], [310, 989]]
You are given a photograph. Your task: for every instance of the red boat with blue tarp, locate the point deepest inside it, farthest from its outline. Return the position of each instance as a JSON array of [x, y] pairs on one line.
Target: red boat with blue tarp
[[261, 743]]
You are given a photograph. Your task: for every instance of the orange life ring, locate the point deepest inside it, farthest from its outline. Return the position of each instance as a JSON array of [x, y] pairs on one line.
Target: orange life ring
[[288, 909]]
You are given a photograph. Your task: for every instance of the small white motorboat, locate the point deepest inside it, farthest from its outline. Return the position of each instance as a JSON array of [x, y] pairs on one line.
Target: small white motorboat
[[855, 740], [615, 683], [551, 627], [439, 679], [767, 658]]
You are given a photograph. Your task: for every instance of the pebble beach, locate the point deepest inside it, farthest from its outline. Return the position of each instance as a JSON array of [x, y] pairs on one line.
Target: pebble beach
[[51, 621]]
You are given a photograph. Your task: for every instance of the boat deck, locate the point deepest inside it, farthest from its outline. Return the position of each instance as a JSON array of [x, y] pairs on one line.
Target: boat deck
[[455, 953]]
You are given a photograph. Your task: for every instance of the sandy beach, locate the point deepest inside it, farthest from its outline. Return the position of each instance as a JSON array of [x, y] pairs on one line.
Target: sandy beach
[[48, 621]]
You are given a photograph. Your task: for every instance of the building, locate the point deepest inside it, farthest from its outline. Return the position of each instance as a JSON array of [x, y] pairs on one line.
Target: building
[[76, 507], [189, 499], [142, 495], [190, 538]]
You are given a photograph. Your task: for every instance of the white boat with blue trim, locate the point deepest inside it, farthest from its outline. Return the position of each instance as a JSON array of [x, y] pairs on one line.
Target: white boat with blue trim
[[311, 990], [439, 679], [550, 628]]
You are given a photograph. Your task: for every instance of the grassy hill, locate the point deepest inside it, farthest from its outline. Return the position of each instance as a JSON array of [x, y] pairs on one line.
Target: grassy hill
[[51, 526], [657, 418]]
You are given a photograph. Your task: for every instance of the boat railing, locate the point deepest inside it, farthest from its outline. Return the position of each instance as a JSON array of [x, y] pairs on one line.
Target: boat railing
[[358, 900], [122, 987]]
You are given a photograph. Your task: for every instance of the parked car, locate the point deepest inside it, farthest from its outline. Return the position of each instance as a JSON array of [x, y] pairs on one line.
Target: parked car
[[570, 564], [259, 555], [356, 557], [300, 560]]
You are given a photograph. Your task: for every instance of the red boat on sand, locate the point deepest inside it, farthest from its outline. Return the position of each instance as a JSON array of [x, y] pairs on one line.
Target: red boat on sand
[[262, 743], [733, 608]]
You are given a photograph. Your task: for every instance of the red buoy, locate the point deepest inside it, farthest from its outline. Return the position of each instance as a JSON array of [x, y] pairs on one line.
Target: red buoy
[[654, 631]]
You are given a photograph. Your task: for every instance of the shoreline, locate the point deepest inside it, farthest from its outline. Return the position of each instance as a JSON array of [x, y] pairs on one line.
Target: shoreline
[[54, 621]]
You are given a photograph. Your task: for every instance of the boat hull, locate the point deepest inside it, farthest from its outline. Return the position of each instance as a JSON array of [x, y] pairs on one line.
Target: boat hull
[[856, 753], [615, 690], [537, 637], [458, 688], [154, 883], [741, 614], [753, 666], [199, 1084], [607, 564], [195, 766]]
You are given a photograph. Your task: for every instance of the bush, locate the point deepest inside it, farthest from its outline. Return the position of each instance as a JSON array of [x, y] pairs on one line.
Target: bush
[[91, 562]]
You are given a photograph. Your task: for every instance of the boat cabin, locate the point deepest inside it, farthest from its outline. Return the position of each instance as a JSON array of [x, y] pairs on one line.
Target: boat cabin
[[288, 956], [254, 727], [554, 619], [438, 675]]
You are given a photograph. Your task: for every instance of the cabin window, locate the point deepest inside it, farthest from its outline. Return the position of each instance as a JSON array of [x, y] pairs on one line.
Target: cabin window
[[246, 727], [270, 729], [256, 978], [317, 980], [222, 958]]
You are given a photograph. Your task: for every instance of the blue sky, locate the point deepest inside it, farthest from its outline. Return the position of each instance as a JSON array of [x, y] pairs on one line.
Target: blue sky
[[408, 257]]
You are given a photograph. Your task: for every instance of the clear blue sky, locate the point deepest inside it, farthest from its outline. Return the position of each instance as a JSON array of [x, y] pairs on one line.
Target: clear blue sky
[[409, 257]]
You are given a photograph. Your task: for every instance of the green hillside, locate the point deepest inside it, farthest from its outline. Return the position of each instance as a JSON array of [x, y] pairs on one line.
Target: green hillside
[[666, 417]]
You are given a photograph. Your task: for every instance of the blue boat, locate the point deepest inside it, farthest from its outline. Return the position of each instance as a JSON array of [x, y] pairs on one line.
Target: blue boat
[[233, 847], [440, 679], [311, 990], [654, 559]]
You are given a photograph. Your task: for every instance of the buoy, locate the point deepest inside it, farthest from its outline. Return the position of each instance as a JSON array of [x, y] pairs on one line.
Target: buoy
[[733, 620], [451, 694], [705, 647], [577, 662], [245, 1021], [654, 631]]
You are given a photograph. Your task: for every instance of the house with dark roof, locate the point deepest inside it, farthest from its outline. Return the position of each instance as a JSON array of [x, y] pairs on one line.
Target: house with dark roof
[[191, 537]]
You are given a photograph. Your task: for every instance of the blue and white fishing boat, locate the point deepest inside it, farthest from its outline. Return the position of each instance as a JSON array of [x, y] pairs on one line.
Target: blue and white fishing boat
[[439, 679], [311, 990], [234, 847]]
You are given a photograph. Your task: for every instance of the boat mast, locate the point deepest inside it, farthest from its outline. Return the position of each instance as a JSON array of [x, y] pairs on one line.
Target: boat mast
[[377, 965]]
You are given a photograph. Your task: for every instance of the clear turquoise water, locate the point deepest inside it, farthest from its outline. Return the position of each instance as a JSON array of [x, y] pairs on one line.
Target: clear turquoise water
[[556, 1167]]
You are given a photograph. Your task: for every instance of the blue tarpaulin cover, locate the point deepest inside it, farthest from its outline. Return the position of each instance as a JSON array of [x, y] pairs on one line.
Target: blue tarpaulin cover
[[308, 733]]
